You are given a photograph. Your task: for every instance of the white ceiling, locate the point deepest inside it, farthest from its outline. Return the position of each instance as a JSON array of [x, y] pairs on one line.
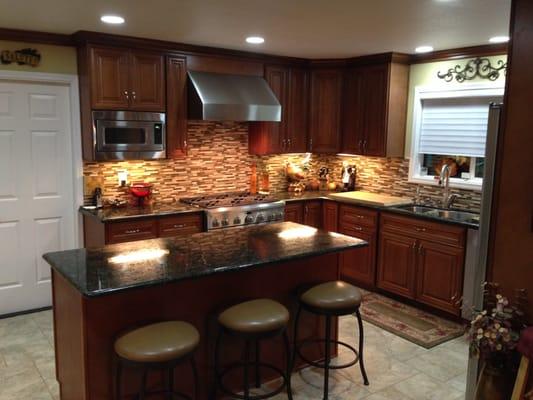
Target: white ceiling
[[302, 28]]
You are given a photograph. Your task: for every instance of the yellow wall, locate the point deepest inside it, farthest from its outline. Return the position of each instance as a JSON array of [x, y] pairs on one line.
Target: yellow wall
[[54, 59], [426, 75]]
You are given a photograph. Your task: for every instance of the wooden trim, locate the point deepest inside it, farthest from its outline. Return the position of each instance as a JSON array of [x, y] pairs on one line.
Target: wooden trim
[[19, 35], [88, 37], [459, 53], [84, 37]]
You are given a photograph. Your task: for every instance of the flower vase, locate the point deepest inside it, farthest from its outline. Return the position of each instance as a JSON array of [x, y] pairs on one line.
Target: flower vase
[[494, 383]]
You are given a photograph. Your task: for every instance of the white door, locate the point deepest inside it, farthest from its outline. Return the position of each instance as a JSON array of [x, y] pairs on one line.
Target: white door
[[36, 189]]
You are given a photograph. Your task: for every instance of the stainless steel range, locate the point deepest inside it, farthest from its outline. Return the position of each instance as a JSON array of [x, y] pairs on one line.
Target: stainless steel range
[[226, 210]]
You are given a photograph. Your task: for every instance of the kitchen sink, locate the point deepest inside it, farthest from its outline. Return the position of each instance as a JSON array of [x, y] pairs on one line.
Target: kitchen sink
[[453, 215]]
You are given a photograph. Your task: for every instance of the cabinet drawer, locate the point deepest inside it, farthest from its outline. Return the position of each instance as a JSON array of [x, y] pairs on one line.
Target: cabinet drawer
[[180, 225], [119, 232], [423, 229], [358, 216]]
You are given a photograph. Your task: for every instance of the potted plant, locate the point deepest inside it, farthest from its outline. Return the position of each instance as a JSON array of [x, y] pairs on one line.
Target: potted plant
[[494, 333]]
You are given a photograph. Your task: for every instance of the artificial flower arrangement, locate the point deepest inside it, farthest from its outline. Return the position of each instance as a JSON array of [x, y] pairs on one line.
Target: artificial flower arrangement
[[494, 332]]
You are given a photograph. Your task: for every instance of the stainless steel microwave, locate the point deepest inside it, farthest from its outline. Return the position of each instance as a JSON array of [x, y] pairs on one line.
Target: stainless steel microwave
[[127, 135]]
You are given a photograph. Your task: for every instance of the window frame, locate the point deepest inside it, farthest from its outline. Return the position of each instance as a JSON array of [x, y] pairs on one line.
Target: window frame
[[439, 92]]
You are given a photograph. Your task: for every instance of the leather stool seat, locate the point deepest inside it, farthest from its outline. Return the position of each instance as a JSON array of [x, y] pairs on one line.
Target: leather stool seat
[[255, 316], [335, 295], [158, 343]]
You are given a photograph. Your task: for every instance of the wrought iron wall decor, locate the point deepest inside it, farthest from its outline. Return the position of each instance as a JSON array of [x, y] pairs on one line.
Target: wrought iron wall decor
[[21, 57], [476, 68]]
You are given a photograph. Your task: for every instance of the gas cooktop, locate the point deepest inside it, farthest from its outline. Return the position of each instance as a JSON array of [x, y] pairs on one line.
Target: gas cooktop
[[231, 199]]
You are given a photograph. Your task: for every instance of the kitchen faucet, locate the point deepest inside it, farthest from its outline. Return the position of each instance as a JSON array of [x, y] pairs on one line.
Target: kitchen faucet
[[444, 180]]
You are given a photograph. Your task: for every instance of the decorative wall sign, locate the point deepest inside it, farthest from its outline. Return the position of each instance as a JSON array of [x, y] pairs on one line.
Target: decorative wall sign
[[476, 68], [21, 57]]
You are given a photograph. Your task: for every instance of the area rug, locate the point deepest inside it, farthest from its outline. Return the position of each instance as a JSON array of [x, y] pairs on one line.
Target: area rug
[[410, 323]]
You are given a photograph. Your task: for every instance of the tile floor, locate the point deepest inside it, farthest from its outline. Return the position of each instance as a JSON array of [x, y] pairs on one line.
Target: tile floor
[[397, 369]]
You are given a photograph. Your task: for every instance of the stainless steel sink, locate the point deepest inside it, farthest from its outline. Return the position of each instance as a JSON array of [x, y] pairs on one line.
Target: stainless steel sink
[[453, 215]]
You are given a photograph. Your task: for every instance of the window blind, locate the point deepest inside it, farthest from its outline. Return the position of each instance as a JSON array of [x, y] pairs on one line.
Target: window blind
[[455, 126]]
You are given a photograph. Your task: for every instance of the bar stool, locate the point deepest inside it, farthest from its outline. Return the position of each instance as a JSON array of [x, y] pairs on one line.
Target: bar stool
[[253, 321], [331, 299], [159, 346]]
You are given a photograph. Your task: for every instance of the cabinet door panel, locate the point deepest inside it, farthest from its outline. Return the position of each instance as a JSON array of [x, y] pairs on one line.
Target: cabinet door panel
[[147, 82], [353, 132], [375, 82], [176, 106], [109, 78], [313, 213], [297, 111], [397, 264], [440, 276], [294, 212], [330, 213], [359, 265], [326, 92]]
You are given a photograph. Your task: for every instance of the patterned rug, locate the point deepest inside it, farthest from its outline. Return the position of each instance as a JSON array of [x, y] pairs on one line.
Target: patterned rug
[[410, 323]]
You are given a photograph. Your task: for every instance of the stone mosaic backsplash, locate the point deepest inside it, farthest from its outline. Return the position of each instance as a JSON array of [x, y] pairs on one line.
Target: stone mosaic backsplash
[[218, 161]]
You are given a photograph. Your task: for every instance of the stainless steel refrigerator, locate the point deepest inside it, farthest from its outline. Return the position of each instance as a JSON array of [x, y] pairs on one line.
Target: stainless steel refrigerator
[[476, 262]]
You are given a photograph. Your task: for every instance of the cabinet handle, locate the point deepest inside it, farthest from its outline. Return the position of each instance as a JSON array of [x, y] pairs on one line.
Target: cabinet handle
[[184, 144], [414, 246], [130, 231], [364, 145], [289, 143], [306, 209], [178, 226], [420, 249], [283, 144], [310, 144], [360, 145], [126, 94], [418, 229], [358, 228], [359, 216], [133, 95]]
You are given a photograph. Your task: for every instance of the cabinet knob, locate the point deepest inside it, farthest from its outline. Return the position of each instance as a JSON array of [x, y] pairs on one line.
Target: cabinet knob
[[133, 95], [126, 94], [289, 143]]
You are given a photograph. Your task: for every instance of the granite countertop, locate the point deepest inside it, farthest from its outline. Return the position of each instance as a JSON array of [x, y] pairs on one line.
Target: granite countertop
[[110, 214], [99, 271]]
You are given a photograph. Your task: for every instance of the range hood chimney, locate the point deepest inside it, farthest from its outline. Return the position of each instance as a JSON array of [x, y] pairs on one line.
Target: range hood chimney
[[223, 97]]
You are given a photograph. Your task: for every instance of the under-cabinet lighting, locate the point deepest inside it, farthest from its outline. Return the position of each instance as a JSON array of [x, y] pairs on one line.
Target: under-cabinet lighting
[[499, 39], [424, 49], [112, 19], [255, 40]]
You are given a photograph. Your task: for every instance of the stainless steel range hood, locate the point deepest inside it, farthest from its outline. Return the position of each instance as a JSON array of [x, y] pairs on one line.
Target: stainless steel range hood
[[222, 97]]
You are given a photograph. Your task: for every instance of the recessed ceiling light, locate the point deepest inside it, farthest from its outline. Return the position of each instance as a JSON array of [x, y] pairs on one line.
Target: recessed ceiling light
[[424, 49], [499, 39], [255, 39], [112, 19]]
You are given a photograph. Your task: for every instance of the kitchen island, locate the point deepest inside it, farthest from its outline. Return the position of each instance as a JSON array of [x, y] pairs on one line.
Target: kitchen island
[[100, 292]]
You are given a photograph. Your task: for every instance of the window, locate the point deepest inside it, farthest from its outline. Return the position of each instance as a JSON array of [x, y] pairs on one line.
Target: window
[[450, 127]]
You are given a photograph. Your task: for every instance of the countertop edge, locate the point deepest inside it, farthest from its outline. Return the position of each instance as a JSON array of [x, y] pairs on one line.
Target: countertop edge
[[215, 271]]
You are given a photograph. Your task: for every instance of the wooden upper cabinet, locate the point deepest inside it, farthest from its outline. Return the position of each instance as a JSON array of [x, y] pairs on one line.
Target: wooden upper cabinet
[[147, 76], [375, 109], [325, 110], [290, 85], [109, 76], [123, 79], [297, 126], [176, 106]]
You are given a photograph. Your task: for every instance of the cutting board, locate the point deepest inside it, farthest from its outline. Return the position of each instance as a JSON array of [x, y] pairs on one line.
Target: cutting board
[[371, 199]]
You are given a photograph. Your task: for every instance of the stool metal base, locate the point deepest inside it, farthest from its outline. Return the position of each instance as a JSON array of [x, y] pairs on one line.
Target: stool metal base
[[147, 367], [251, 339], [328, 341]]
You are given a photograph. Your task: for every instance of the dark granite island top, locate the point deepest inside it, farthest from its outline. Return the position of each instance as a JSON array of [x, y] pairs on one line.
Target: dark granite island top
[[99, 271]]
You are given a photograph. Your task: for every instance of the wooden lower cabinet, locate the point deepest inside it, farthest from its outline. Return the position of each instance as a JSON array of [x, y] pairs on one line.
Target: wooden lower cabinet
[[424, 264], [294, 212], [313, 213], [397, 264], [359, 265], [330, 216], [97, 233], [440, 275]]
